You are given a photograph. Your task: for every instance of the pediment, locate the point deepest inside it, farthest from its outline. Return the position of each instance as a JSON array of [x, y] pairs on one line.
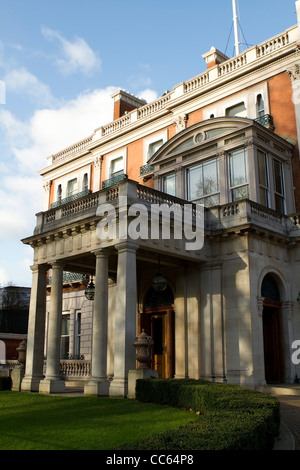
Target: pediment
[[200, 134]]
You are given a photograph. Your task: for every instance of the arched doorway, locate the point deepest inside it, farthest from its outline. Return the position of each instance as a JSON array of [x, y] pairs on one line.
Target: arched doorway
[[157, 320], [272, 331]]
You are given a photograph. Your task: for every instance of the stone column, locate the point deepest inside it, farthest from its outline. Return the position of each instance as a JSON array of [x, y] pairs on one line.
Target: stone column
[[36, 330], [53, 382], [125, 319], [98, 384]]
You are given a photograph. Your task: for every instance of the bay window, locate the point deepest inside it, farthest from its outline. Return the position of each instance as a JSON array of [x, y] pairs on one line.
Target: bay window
[[238, 175], [263, 178], [203, 183], [169, 184], [278, 186]]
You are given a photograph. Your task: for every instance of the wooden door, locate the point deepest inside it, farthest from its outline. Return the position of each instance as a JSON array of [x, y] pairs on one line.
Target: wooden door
[[273, 345], [160, 325]]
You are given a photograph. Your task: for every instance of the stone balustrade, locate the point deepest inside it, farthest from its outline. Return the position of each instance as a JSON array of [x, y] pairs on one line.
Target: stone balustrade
[[283, 41], [216, 218]]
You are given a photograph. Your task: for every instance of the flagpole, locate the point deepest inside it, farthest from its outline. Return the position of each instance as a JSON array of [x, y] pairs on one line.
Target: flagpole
[[236, 31]]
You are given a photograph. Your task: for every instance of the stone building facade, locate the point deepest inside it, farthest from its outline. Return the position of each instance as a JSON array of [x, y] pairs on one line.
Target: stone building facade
[[202, 186]]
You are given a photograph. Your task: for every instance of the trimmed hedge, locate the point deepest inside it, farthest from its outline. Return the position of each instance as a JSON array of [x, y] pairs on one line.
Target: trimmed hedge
[[5, 383], [230, 417]]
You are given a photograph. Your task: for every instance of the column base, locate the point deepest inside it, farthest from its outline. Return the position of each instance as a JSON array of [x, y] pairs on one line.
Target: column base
[[49, 386], [31, 384], [17, 376], [97, 387], [134, 375], [118, 387]]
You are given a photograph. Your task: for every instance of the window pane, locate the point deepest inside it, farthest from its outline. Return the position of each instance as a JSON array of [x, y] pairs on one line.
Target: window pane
[[170, 184], [154, 147], [203, 183], [65, 327], [237, 110], [117, 166], [262, 168], [278, 177], [210, 178], [240, 193], [195, 189], [64, 351], [238, 168], [72, 187]]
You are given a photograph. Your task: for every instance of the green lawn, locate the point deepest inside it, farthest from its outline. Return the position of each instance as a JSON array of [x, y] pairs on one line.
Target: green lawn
[[31, 421]]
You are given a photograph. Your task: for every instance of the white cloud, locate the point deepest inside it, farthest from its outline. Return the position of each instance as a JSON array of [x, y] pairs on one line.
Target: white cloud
[[148, 95], [76, 55], [20, 80]]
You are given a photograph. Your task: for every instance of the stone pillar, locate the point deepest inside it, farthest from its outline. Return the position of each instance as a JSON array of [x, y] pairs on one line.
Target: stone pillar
[[98, 384], [125, 319], [181, 339], [294, 73], [53, 382], [36, 331]]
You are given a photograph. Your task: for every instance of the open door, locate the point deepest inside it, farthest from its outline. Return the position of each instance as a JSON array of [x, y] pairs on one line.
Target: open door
[[158, 321]]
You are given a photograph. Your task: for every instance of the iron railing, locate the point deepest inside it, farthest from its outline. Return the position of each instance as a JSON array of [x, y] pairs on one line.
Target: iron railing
[[71, 198], [114, 180]]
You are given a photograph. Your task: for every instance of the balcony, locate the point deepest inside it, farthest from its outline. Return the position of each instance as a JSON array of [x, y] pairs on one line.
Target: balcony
[[266, 120], [114, 180], [80, 215], [71, 198], [146, 172]]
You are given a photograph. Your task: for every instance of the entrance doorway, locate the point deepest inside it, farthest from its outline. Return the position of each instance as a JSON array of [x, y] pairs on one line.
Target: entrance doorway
[[157, 320], [272, 332]]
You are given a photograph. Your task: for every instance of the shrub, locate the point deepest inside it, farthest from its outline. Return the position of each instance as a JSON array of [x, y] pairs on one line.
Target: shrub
[[5, 383], [230, 417]]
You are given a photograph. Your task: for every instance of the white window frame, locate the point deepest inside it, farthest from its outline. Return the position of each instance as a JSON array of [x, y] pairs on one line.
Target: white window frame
[[114, 156], [152, 140]]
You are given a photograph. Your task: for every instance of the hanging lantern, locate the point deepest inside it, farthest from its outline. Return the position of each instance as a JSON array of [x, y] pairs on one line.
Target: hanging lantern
[[90, 290], [159, 282]]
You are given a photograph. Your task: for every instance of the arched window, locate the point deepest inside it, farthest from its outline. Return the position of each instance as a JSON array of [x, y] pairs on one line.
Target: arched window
[[260, 106], [269, 289], [59, 193], [85, 182]]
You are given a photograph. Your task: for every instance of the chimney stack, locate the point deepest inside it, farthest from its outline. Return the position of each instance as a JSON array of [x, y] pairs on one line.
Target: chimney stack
[[214, 57], [125, 102]]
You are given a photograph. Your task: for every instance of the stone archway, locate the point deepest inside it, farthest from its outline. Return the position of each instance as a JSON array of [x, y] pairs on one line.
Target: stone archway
[[157, 319], [273, 340]]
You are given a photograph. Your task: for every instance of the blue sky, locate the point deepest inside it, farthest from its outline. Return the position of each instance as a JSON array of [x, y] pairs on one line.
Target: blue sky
[[61, 60]]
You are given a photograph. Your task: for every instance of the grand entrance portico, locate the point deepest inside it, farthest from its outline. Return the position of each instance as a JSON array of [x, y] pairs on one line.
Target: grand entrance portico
[[77, 248]]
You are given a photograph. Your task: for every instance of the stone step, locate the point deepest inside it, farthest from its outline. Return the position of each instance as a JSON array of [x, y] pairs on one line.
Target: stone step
[[280, 389]]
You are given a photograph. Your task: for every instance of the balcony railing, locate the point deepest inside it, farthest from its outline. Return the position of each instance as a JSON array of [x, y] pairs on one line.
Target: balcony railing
[[69, 278], [266, 120], [114, 180], [146, 170], [71, 198]]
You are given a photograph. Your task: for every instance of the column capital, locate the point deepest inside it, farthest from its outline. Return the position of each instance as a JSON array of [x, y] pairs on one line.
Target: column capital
[[101, 252], [57, 264], [39, 267], [127, 246]]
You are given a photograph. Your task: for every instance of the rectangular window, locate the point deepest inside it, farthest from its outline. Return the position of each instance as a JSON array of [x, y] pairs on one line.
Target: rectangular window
[[169, 184], [153, 147], [116, 167], [72, 187], [77, 333], [263, 178], [65, 336], [278, 186], [203, 183], [237, 110], [238, 174]]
